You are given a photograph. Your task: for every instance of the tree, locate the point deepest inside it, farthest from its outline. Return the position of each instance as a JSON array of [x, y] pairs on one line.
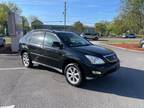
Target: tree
[[100, 28], [133, 14], [5, 7], [119, 26], [13, 7], [141, 32], [3, 16], [109, 28], [78, 26], [25, 23]]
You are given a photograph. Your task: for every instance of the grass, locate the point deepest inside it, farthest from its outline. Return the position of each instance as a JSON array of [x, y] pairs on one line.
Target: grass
[[120, 41]]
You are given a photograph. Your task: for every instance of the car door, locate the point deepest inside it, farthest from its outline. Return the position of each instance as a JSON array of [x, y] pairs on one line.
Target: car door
[[35, 45], [53, 55]]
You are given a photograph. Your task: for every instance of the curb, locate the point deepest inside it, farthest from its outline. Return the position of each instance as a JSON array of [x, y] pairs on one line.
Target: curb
[[9, 54], [123, 48]]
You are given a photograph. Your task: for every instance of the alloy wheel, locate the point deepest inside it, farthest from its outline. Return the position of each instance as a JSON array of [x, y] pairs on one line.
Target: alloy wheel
[[73, 75], [26, 60]]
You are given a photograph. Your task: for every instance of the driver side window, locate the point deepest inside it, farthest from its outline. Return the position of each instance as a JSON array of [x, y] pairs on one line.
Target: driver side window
[[49, 39]]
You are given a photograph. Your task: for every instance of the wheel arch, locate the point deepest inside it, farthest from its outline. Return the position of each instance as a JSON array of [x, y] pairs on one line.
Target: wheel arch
[[68, 61], [22, 51]]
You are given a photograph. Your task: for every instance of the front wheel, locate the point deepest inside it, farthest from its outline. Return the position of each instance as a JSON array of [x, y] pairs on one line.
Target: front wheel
[[74, 75], [27, 62]]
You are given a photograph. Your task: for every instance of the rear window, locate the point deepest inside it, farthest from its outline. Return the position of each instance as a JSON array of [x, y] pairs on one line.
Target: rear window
[[37, 38], [91, 34]]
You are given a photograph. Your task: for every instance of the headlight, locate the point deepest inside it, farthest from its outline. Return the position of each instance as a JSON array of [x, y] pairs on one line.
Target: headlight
[[94, 60]]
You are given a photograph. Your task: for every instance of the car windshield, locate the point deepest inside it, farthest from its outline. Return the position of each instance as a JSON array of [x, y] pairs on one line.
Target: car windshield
[[73, 40]]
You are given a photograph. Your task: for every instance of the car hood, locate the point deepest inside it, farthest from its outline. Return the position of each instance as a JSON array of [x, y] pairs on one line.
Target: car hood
[[94, 50]]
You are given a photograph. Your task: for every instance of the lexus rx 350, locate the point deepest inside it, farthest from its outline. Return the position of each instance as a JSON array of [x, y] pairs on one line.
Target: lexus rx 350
[[68, 53]]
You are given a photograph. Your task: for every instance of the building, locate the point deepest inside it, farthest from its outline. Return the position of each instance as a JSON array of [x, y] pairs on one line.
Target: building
[[68, 28]]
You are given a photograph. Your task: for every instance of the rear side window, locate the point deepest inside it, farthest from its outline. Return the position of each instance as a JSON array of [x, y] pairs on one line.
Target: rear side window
[[49, 39], [37, 38]]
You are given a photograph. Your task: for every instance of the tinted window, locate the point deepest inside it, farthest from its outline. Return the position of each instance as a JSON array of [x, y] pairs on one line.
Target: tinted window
[[37, 38], [90, 33], [49, 39], [73, 40], [87, 34]]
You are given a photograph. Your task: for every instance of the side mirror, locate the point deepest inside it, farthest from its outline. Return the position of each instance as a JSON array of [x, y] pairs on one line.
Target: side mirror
[[85, 37], [57, 44]]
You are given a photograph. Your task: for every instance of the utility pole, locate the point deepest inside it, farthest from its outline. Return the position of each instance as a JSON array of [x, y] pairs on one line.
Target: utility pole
[[65, 15]]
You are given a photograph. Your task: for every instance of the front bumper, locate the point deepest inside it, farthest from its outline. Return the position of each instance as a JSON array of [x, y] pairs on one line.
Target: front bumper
[[101, 70]]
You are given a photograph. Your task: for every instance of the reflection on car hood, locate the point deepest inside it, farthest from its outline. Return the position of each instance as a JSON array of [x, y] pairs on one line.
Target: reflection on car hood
[[93, 50]]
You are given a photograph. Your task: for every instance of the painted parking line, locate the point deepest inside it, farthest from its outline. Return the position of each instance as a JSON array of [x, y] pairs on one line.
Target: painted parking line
[[17, 68], [12, 106]]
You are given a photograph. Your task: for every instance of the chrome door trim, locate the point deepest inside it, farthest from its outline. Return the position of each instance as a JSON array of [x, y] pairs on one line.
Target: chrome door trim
[[57, 69]]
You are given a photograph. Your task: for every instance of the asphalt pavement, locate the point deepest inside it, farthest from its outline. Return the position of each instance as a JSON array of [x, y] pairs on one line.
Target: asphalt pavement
[[45, 88]]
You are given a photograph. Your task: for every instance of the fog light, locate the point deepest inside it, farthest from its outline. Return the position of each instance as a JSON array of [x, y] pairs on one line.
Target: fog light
[[96, 72]]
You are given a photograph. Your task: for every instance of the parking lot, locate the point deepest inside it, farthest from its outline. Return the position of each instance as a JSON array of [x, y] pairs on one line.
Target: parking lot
[[45, 88]]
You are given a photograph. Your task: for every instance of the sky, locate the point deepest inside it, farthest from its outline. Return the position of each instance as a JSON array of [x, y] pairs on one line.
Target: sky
[[87, 11]]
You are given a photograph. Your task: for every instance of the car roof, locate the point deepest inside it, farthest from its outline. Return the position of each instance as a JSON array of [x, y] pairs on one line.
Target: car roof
[[52, 31]]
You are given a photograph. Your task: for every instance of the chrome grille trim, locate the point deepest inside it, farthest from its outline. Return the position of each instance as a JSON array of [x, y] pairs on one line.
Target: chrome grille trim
[[111, 55]]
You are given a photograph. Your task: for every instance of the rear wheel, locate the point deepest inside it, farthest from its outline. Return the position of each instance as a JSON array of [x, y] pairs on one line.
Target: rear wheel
[[96, 38], [27, 62], [3, 45], [74, 75]]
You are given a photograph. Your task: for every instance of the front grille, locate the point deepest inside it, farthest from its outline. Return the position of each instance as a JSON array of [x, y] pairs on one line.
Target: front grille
[[111, 58]]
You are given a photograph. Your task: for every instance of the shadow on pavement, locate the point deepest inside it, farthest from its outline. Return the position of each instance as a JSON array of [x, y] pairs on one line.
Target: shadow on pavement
[[126, 82]]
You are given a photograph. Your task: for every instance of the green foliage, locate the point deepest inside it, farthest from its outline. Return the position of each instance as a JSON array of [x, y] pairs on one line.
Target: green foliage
[[78, 26], [26, 26], [119, 27], [129, 20], [3, 14], [13, 7], [5, 7], [120, 41], [141, 33], [3, 17], [133, 14], [101, 28]]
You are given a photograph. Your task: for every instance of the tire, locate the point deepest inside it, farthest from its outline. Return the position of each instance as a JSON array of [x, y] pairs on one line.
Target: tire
[[73, 75], [142, 45], [3, 44], [26, 60], [96, 38]]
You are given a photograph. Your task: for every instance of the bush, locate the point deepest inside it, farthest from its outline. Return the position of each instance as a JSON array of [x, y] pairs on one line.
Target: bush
[[140, 36], [141, 32]]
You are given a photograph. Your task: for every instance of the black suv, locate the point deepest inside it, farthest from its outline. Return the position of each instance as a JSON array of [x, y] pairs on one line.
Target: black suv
[[68, 53]]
